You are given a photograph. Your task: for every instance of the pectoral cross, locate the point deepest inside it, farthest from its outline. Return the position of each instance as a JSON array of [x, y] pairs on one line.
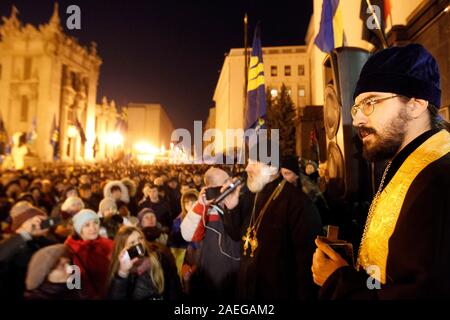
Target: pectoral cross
[[247, 240], [253, 244]]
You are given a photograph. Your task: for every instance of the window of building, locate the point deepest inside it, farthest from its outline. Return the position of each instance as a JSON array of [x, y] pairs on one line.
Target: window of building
[[289, 91], [301, 92], [287, 70], [274, 93], [301, 70], [273, 71], [27, 69], [24, 109]]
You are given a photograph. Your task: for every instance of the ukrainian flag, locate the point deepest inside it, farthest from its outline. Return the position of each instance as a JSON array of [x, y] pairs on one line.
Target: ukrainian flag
[[54, 138], [256, 91], [331, 32]]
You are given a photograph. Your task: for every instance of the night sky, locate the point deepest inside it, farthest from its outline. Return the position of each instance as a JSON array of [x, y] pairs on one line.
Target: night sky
[[169, 52]]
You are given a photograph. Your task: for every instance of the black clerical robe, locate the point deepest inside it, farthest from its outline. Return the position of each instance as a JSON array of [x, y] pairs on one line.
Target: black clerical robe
[[281, 266]]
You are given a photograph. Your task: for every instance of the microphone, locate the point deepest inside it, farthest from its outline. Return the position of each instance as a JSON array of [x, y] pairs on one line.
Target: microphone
[[240, 180]]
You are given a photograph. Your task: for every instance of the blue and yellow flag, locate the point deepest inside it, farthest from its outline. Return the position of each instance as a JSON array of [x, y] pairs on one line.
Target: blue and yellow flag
[[32, 134], [256, 92], [80, 131], [331, 32], [54, 138], [4, 140]]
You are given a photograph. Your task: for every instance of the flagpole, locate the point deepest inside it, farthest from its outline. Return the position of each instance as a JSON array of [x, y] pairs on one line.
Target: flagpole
[[382, 36], [245, 57]]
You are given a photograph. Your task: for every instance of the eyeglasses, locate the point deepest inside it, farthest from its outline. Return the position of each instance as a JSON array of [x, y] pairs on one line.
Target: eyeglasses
[[368, 105]]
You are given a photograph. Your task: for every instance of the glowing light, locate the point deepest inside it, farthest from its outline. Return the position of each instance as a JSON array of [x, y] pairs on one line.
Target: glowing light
[[72, 131], [114, 138]]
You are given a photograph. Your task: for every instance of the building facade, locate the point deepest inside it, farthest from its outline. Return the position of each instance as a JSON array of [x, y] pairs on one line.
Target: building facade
[[45, 74], [288, 65], [148, 126]]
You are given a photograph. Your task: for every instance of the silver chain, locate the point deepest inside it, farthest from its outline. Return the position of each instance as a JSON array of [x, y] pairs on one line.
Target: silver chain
[[371, 210]]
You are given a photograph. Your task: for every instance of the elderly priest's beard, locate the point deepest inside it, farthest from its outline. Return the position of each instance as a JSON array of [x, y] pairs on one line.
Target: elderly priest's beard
[[256, 182]]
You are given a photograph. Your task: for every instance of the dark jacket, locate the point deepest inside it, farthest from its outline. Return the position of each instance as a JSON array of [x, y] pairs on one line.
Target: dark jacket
[[281, 267], [52, 291], [135, 287], [172, 283], [161, 209], [15, 254]]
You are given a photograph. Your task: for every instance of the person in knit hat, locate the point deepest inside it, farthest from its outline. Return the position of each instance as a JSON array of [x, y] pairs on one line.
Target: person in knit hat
[[91, 253], [107, 207], [71, 206], [16, 251], [404, 251], [48, 274], [150, 226], [290, 170]]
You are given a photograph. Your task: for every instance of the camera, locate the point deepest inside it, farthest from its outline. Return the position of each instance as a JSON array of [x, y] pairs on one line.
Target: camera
[[212, 193], [50, 222], [136, 251]]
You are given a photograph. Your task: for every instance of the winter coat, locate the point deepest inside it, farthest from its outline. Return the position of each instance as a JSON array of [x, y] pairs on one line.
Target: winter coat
[[134, 287], [107, 190], [52, 291], [15, 254], [92, 257]]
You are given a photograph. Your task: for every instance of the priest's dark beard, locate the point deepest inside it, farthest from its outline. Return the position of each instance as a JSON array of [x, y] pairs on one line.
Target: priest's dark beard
[[388, 142]]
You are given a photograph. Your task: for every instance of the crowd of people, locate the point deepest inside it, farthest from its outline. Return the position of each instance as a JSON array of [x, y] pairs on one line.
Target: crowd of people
[[156, 232], [88, 216]]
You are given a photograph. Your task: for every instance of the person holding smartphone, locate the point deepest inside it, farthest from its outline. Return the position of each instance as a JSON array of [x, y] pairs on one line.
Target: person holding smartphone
[[17, 250], [135, 272], [219, 255]]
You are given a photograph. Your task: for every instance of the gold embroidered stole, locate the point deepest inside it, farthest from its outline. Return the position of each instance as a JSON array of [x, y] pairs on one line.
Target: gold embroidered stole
[[375, 246]]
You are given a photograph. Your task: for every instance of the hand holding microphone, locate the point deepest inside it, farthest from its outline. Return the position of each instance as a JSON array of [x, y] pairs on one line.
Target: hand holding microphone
[[230, 193]]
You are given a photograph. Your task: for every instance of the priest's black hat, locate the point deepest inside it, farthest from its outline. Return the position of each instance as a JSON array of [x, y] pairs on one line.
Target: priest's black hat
[[410, 71]]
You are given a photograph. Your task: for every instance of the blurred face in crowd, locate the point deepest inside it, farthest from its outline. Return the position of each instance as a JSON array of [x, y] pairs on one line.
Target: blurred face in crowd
[[384, 130], [73, 181], [72, 193], [85, 193], [197, 180], [173, 184], [60, 272], [116, 194], [109, 212], [46, 186], [309, 169], [76, 207], [188, 204], [153, 194], [258, 175], [215, 177], [184, 188], [289, 176], [36, 194], [134, 239], [59, 187], [24, 183], [13, 191], [149, 220], [90, 230], [95, 187]]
